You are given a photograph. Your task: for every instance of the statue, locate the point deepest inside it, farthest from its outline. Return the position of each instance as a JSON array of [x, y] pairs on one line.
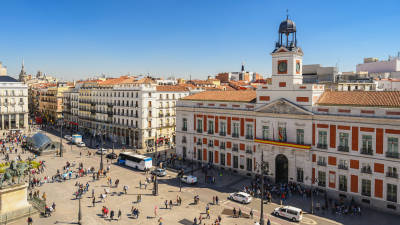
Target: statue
[[15, 170]]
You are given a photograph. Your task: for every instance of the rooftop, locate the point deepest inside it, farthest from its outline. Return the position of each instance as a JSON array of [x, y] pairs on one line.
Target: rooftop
[[171, 88], [7, 79], [224, 96], [389, 99]]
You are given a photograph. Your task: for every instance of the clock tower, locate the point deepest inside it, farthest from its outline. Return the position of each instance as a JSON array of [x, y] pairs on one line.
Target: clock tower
[[287, 57]]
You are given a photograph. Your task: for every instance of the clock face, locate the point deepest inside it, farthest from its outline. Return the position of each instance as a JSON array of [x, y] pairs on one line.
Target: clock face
[[282, 67], [298, 67]]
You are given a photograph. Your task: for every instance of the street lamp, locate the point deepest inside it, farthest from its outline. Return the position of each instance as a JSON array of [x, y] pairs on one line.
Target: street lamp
[[264, 169], [80, 212], [313, 180], [61, 130], [101, 151]]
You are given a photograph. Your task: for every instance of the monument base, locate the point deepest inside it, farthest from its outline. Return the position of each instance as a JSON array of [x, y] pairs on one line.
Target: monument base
[[14, 202]]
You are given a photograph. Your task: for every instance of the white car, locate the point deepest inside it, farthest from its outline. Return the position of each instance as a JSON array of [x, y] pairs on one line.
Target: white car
[[81, 144], [189, 179], [68, 137], [159, 172], [102, 151], [241, 197], [289, 212]]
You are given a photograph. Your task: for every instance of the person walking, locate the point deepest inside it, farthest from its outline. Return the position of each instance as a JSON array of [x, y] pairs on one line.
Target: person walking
[[119, 214], [216, 199], [94, 201], [170, 204], [240, 213], [155, 211], [30, 221], [208, 214], [166, 204], [234, 212], [112, 215], [268, 222], [251, 214]]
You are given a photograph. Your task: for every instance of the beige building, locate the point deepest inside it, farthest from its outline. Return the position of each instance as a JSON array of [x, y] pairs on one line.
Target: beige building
[[51, 102]]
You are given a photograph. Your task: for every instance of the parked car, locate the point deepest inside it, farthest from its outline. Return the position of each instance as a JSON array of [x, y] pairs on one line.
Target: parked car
[[289, 212], [189, 179], [102, 151], [241, 197], [159, 172], [68, 137], [112, 155], [81, 144]]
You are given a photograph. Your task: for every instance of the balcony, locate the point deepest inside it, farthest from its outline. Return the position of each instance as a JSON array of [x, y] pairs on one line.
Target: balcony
[[343, 148], [366, 151], [199, 130], [235, 149], [110, 113], [392, 175], [249, 137], [366, 170], [322, 146], [210, 132], [160, 115], [222, 147], [222, 133], [198, 143], [235, 135], [249, 152], [184, 128], [394, 155], [343, 167], [321, 163], [282, 143], [210, 145], [110, 105]]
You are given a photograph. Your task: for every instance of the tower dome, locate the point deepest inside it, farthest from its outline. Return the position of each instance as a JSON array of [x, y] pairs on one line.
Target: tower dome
[[287, 26]]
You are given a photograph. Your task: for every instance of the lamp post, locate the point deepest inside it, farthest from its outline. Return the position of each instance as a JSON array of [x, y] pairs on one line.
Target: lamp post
[[313, 180], [101, 151], [264, 169], [80, 211], [155, 187], [61, 130]]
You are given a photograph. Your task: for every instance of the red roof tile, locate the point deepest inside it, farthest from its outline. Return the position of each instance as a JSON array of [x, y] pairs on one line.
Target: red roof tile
[[361, 98]]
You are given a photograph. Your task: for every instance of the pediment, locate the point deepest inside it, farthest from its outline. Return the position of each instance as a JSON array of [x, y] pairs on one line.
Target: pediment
[[283, 106]]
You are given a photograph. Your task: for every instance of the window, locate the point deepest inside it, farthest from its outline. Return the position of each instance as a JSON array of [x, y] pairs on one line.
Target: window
[[235, 130], [393, 145], [248, 149], [222, 145], [183, 139], [249, 164], [199, 126], [392, 172], [282, 133], [210, 143], [321, 179], [235, 162], [210, 127], [365, 187], [249, 131], [222, 126], [344, 142], [321, 161], [184, 122], [343, 164], [342, 183], [300, 136], [391, 192], [366, 147], [265, 132], [199, 155], [235, 147], [366, 168], [300, 175], [322, 139], [222, 159], [242, 162]]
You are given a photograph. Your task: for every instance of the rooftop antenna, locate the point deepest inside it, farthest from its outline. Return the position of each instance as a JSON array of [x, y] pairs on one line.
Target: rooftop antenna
[[287, 14]]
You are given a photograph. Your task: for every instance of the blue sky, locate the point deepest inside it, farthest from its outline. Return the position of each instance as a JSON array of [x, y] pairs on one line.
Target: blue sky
[[75, 39]]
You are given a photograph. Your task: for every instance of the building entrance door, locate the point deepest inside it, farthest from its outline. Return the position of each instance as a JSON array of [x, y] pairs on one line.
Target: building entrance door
[[281, 169]]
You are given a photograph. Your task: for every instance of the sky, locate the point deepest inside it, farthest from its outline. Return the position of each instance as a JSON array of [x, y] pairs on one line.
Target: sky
[[75, 39]]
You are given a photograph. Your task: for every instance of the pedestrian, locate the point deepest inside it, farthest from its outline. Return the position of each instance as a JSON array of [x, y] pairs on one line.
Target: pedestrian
[[208, 214], [219, 218], [112, 215], [240, 213], [213, 200], [54, 206], [216, 199], [119, 214], [125, 188], [170, 204], [140, 184], [166, 204], [94, 201], [268, 222], [195, 221], [251, 214], [234, 212], [155, 211], [92, 193], [30, 221]]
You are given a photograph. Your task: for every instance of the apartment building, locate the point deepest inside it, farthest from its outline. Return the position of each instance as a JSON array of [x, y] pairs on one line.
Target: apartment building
[[51, 102], [346, 143]]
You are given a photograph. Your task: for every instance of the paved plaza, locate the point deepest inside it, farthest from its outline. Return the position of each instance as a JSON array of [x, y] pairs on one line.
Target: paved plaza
[[152, 208]]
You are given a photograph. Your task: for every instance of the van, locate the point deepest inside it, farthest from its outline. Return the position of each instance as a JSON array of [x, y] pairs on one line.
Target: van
[[289, 212]]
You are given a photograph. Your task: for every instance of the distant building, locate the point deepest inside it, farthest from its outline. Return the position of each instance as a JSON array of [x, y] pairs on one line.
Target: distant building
[[315, 73], [238, 76], [381, 69], [387, 84], [3, 70]]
